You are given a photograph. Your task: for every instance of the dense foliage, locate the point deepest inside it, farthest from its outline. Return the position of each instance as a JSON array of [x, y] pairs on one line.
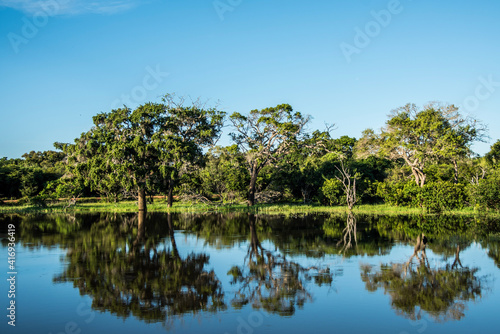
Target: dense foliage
[[26, 178], [435, 196], [421, 158], [142, 150]]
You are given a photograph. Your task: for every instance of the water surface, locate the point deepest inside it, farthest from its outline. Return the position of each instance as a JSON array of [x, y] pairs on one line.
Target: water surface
[[241, 273]]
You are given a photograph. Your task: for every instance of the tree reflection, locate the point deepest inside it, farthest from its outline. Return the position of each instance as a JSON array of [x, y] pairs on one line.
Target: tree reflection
[[124, 262], [136, 275], [441, 292], [349, 233], [271, 281], [492, 244]]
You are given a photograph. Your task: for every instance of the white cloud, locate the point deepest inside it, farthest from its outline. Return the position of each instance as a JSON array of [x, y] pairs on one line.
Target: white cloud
[[71, 7]]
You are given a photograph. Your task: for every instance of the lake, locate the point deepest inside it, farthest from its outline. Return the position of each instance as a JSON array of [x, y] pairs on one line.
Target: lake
[[245, 273]]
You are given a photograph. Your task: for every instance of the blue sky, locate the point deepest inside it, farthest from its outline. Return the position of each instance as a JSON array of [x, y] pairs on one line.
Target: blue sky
[[348, 62]]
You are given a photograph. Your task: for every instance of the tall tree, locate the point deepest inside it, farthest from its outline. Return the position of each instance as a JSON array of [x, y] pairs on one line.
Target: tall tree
[[420, 137], [265, 137], [190, 128], [134, 150], [121, 151], [461, 132]]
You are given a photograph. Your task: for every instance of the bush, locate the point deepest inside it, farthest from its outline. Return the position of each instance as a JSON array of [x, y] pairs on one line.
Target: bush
[[439, 196], [399, 193], [333, 192], [433, 196], [38, 200], [486, 194], [366, 191]]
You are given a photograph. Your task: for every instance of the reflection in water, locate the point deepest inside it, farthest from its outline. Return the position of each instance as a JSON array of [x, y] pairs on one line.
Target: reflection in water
[[349, 233], [493, 246], [127, 275], [420, 247], [270, 281], [442, 292], [131, 266]]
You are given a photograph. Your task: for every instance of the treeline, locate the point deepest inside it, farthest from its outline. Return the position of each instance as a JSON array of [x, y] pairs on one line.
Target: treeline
[[420, 158], [32, 175]]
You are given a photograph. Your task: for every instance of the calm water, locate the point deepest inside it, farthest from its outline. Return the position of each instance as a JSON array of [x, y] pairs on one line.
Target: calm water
[[239, 273]]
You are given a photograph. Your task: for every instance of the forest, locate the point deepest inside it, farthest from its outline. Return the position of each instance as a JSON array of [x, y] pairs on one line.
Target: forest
[[421, 158]]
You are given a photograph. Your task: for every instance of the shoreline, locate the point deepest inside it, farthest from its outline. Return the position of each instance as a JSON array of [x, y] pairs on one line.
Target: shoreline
[[276, 209]]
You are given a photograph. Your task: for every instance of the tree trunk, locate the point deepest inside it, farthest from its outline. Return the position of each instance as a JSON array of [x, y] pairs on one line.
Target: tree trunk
[[251, 188], [415, 175], [422, 179], [417, 171], [142, 199], [419, 176], [455, 166]]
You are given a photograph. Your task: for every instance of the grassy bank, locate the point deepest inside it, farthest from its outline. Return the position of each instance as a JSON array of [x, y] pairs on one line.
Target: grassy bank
[[282, 208]]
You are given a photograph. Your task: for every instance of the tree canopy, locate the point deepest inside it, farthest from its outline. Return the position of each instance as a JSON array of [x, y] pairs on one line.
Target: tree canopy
[[138, 150], [420, 137], [265, 137]]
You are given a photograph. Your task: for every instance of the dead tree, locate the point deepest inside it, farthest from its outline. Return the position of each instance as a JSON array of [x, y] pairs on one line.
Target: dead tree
[[349, 183]]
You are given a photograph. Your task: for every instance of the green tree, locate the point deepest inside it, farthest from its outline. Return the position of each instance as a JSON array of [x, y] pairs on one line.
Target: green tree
[[50, 160], [134, 151], [422, 137], [266, 137], [28, 176], [32, 182], [311, 160], [10, 178], [121, 151], [343, 147], [191, 127]]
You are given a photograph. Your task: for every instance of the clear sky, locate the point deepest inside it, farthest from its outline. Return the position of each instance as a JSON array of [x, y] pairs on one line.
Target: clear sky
[[348, 62]]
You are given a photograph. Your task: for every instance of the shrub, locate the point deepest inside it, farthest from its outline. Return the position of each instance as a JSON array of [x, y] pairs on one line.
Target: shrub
[[439, 196], [399, 193], [38, 200], [486, 194], [433, 196], [333, 192]]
